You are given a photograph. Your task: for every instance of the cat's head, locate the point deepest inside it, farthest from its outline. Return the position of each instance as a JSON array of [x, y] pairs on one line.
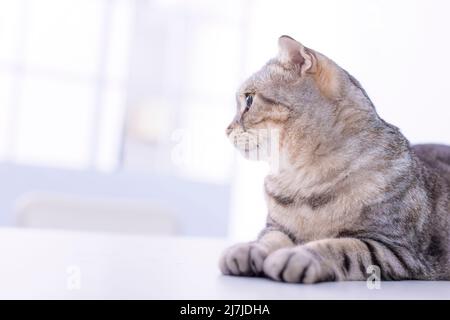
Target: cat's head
[[292, 105]]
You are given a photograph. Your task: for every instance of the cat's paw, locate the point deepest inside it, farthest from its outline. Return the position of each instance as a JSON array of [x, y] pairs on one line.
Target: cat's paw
[[243, 259], [296, 265]]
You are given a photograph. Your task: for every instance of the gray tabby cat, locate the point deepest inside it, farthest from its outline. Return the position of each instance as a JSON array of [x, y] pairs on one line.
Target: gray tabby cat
[[350, 191]]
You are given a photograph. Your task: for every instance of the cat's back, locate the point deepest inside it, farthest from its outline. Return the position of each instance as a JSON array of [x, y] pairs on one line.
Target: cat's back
[[436, 157]]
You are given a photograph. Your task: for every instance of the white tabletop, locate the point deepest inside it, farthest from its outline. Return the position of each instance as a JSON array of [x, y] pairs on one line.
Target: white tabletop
[[72, 265]]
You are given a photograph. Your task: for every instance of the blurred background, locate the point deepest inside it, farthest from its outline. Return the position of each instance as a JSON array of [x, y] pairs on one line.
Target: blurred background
[[112, 112]]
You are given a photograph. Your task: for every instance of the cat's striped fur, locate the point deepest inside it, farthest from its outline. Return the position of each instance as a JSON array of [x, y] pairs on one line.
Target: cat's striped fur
[[350, 191]]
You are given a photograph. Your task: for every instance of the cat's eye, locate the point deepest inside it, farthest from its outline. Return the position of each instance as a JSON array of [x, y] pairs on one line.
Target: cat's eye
[[248, 100]]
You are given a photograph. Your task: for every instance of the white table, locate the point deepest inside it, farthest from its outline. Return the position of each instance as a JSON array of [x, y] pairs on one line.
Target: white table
[[72, 265]]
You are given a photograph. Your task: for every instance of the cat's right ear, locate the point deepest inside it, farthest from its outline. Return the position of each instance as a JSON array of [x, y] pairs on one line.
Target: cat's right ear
[[324, 71], [292, 52]]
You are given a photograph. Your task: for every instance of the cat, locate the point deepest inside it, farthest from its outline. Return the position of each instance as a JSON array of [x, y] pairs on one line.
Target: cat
[[350, 192]]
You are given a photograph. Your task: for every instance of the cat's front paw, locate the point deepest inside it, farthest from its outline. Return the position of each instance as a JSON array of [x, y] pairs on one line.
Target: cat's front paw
[[243, 259], [297, 265]]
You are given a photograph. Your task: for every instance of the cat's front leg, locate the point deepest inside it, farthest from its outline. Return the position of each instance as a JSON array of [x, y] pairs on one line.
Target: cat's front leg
[[247, 259], [336, 260]]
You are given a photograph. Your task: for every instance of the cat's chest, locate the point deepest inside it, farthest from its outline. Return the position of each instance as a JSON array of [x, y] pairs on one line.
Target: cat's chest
[[308, 224]]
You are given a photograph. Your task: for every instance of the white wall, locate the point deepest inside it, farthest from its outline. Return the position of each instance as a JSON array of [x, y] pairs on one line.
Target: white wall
[[399, 50]]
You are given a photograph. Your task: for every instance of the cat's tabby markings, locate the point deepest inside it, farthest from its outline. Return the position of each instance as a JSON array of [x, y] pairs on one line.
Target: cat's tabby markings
[[349, 191]]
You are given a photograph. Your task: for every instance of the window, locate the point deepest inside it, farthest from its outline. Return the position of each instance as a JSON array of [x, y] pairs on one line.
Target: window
[[63, 69], [184, 70], [120, 84]]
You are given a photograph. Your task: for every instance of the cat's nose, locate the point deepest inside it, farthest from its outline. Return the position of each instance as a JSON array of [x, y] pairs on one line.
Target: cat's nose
[[229, 129], [233, 124]]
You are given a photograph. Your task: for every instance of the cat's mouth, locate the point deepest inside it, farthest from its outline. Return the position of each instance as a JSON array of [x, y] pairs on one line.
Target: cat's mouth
[[248, 148], [246, 145], [251, 151]]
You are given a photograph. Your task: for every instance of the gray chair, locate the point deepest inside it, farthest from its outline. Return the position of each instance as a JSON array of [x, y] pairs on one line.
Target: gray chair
[[70, 212]]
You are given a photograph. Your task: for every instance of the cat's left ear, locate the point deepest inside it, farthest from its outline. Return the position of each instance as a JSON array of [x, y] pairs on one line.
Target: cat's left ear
[[293, 52]]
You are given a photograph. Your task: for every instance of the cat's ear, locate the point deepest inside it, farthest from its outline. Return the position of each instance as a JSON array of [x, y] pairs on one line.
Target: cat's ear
[[294, 53], [323, 70]]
